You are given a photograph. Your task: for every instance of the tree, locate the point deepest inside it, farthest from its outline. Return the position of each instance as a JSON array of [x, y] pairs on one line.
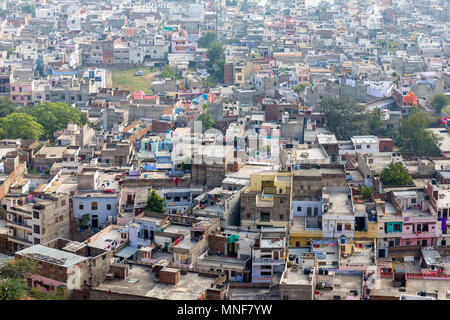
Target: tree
[[12, 289], [366, 193], [205, 40], [54, 116], [13, 285], [186, 164], [395, 175], [375, 123], [6, 107], [415, 138], [440, 101], [12, 279], [300, 87], [217, 76], [169, 72], [207, 121], [155, 203], [344, 117], [29, 9], [20, 125], [215, 52]]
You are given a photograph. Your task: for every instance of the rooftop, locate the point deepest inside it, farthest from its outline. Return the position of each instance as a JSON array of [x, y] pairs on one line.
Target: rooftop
[[190, 287], [51, 255]]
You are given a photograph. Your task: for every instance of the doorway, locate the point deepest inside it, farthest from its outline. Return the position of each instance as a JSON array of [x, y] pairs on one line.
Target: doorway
[[94, 221]]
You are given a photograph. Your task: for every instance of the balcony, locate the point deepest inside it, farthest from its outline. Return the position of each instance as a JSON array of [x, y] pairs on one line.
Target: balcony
[[20, 240], [268, 261], [264, 200], [19, 225], [20, 212]]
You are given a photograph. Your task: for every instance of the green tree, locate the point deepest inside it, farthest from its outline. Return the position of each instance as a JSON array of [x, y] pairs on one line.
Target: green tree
[[415, 138], [29, 8], [169, 72], [344, 117], [366, 193], [12, 289], [440, 101], [205, 40], [155, 203], [207, 120], [215, 52], [12, 279], [217, 76], [6, 107], [54, 116], [20, 125], [395, 175], [300, 87], [375, 123], [186, 164]]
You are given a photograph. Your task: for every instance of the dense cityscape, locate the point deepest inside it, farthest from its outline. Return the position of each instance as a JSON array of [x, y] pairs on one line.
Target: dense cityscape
[[224, 150]]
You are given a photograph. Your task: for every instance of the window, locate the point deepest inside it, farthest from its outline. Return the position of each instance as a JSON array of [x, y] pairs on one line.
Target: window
[[397, 227], [316, 211], [413, 200], [265, 216], [108, 207], [248, 215], [358, 146], [36, 214], [81, 206], [281, 217], [339, 227], [94, 205], [348, 227], [37, 241], [299, 209], [397, 241], [36, 229], [368, 146], [309, 211]]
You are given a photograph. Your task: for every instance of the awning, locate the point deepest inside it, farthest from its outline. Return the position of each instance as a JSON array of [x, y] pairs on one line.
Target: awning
[[126, 252]]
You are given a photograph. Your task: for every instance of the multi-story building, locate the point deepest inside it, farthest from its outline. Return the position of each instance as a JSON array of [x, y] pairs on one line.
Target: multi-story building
[[269, 254], [36, 218], [64, 265], [267, 200], [97, 199], [439, 206]]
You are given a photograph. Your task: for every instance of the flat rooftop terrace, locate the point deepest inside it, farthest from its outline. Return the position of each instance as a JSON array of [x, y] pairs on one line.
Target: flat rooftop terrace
[[383, 287], [190, 286], [342, 284], [296, 277]]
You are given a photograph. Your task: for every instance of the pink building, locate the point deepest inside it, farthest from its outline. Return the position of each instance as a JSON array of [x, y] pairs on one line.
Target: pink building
[[418, 230], [21, 92], [419, 224]]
